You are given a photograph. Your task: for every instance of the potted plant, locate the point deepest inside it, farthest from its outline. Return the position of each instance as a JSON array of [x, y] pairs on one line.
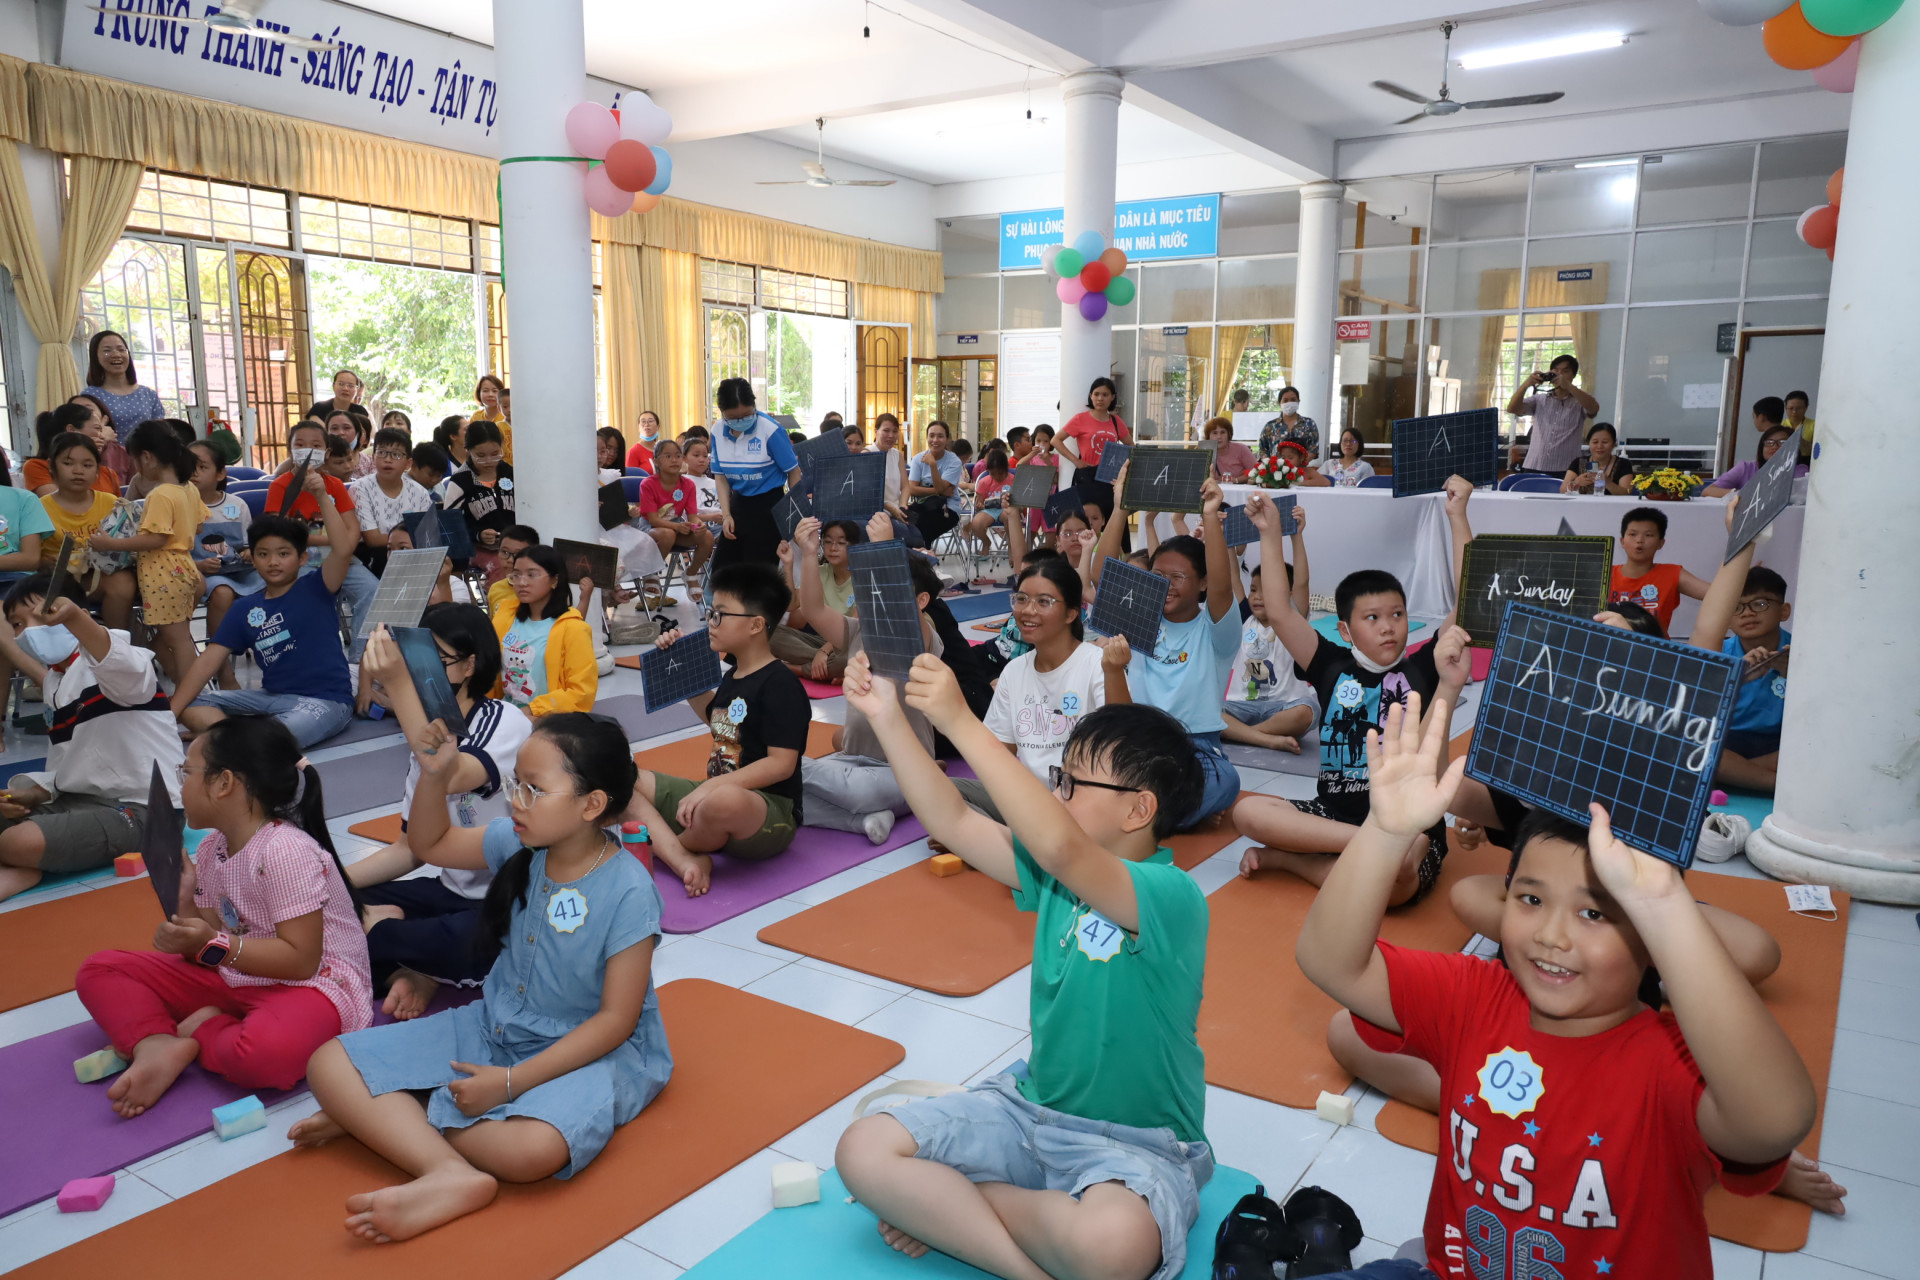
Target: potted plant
[[1668, 484]]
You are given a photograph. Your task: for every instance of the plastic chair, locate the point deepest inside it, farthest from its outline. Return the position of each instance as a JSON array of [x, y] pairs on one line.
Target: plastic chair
[[1532, 484], [631, 484], [244, 473], [1376, 482], [640, 472], [256, 500]]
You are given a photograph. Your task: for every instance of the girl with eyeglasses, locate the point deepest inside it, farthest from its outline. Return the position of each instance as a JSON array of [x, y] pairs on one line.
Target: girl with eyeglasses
[[546, 648], [420, 932], [565, 1046]]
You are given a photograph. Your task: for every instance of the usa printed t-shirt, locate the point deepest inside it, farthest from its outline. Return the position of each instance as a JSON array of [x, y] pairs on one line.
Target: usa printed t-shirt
[[1352, 701], [749, 714], [1657, 591], [753, 453], [1582, 1152], [1760, 703], [296, 637]]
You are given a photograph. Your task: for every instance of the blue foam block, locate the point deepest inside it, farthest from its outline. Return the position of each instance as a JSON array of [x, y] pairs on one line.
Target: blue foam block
[[238, 1117], [834, 1240]]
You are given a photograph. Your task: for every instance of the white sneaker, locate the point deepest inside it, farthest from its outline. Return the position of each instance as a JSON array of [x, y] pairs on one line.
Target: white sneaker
[[878, 825], [1721, 836]]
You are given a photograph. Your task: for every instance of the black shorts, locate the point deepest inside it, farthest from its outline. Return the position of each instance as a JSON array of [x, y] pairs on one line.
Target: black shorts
[[1429, 869]]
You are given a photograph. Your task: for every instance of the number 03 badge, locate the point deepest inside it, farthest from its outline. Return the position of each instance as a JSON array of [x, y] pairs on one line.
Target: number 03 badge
[[1512, 1082], [567, 910]]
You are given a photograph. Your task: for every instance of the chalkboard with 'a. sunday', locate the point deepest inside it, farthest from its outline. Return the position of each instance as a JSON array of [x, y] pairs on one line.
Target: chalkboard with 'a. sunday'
[[1566, 575]]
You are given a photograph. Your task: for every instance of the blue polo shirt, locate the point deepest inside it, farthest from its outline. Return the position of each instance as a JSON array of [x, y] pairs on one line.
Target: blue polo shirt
[[1762, 703], [754, 454]]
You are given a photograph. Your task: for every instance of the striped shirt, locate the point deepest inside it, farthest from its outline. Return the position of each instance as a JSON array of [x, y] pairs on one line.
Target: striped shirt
[[754, 454], [496, 731], [109, 726]]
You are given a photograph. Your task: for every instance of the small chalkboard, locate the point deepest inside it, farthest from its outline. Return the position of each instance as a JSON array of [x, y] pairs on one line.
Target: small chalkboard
[[1166, 478], [1113, 457], [686, 669], [1575, 712], [162, 844], [1067, 502], [888, 606], [1130, 603], [1238, 527], [790, 511], [1762, 499], [60, 580], [1428, 450], [589, 560], [1032, 485], [296, 485], [786, 420], [436, 527], [849, 487], [809, 452], [1566, 575], [428, 671]]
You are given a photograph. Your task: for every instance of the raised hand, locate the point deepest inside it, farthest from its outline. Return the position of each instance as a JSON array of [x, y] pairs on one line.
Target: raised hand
[[1634, 879], [1211, 498], [806, 536], [1115, 653], [1451, 656], [1408, 792], [437, 750], [870, 695], [880, 527], [1264, 515], [933, 692]]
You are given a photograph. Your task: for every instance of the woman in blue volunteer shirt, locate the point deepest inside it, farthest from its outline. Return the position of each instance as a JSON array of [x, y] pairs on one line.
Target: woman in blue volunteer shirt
[[753, 462]]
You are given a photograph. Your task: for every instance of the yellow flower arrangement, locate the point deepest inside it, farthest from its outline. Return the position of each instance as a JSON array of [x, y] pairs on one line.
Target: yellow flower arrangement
[[1670, 483]]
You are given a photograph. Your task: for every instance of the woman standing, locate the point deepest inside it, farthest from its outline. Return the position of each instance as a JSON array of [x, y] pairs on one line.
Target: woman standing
[[1291, 428], [1350, 468], [1086, 435], [753, 462], [1231, 459], [488, 392], [112, 382], [1603, 470]]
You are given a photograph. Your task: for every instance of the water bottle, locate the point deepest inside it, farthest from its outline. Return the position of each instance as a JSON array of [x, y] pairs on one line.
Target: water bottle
[[633, 838]]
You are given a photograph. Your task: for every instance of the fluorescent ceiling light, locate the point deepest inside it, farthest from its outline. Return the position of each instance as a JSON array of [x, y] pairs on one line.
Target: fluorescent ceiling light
[[1603, 164], [1538, 49]]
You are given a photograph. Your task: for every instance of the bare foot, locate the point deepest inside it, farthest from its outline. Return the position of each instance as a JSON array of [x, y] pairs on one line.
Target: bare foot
[[1259, 858], [901, 1241], [403, 1212], [409, 995], [694, 869], [1280, 742], [191, 1023], [157, 1063], [373, 915], [315, 1130], [1807, 1182]]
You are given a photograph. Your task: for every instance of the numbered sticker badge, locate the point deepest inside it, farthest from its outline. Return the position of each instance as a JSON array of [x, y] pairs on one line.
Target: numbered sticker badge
[[1097, 937], [1511, 1082], [567, 910], [737, 711]]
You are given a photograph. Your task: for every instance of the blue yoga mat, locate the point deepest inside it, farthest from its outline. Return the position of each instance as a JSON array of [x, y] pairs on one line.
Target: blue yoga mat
[[1751, 807], [834, 1240], [984, 605]]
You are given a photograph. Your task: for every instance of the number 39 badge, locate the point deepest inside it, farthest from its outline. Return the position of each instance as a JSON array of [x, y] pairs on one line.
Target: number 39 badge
[[1512, 1082], [567, 910]]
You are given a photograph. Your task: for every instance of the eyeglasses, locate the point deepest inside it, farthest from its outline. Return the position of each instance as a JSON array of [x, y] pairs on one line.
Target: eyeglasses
[[1759, 605], [1063, 783], [525, 795], [181, 771], [527, 577], [1177, 575], [1022, 600], [715, 613], [393, 455]]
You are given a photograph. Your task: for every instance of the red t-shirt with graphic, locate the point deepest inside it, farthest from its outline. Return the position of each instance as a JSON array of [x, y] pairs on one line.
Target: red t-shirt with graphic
[[1090, 435], [1657, 591], [654, 495], [1579, 1152]]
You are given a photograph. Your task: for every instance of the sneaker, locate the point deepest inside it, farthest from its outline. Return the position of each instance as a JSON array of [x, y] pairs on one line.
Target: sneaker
[[1721, 836], [1253, 1239], [878, 825], [1329, 1232]]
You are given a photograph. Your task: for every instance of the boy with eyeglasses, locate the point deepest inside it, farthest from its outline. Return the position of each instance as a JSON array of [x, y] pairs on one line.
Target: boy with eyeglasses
[[749, 806], [385, 496], [1751, 754]]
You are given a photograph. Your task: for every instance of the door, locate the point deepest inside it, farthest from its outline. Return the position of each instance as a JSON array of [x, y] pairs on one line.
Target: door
[[1770, 363], [882, 374], [275, 372]]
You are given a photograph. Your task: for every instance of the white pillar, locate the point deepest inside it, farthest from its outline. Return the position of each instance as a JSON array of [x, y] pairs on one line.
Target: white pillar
[[1093, 153], [1847, 809], [547, 252], [1315, 296]]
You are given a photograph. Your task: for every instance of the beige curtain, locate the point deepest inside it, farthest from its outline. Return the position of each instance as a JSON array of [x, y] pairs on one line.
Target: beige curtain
[[672, 375], [14, 118], [620, 295], [20, 254], [708, 232], [99, 198], [1232, 343], [877, 303], [1500, 291]]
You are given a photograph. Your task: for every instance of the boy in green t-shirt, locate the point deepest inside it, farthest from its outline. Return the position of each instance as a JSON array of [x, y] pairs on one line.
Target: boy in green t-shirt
[[1114, 1094]]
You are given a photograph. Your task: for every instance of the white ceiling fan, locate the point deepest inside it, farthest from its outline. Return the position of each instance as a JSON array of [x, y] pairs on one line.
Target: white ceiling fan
[[816, 170], [1444, 105], [234, 16]]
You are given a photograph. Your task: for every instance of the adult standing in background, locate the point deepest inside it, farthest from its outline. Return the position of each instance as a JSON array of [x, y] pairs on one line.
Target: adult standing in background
[[491, 394], [112, 382], [1291, 428], [641, 455], [753, 462], [1086, 435], [1558, 416], [1800, 420]]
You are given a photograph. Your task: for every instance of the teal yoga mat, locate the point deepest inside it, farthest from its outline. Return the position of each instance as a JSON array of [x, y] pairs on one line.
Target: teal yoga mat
[[1329, 626], [834, 1240], [1751, 807]]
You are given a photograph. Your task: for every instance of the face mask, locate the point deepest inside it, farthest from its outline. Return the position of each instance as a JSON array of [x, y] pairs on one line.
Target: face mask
[[1290, 406], [312, 457], [49, 646]]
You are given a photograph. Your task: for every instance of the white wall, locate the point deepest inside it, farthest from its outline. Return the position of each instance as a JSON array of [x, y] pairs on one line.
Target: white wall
[[725, 172]]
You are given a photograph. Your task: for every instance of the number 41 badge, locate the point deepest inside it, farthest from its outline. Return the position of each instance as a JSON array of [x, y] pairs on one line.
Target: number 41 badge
[[1097, 937]]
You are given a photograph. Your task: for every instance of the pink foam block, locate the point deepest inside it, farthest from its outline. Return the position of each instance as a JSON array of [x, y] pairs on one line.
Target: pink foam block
[[1718, 797], [84, 1195]]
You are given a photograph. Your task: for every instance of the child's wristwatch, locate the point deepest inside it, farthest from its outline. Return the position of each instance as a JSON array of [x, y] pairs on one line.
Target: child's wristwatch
[[215, 951]]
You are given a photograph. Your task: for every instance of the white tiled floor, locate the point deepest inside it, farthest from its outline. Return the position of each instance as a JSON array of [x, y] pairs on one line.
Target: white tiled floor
[[1872, 1134]]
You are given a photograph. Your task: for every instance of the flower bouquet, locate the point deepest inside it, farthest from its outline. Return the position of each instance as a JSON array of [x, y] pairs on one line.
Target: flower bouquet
[[1668, 484], [1277, 472]]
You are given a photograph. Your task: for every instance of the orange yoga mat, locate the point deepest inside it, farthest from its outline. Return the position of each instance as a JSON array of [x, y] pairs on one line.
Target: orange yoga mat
[[1263, 1024], [45, 944], [952, 935], [1804, 994], [747, 1070]]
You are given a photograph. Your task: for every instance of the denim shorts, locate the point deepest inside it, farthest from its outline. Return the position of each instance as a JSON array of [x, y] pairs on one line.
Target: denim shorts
[[992, 1134], [312, 720], [1258, 712]]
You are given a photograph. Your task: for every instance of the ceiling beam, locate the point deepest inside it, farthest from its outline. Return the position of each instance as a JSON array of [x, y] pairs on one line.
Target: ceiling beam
[[1207, 105]]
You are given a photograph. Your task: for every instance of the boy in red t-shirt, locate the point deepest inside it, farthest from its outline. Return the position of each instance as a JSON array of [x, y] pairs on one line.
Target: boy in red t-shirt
[[1657, 588], [1582, 1129]]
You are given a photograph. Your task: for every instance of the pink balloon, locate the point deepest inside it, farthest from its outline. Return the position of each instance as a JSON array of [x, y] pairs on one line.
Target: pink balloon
[[591, 129], [1069, 289], [603, 197], [1837, 76], [1093, 306]]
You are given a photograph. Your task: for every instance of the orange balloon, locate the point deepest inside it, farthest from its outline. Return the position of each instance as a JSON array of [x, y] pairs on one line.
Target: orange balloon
[[1833, 185], [1115, 261], [1795, 44], [644, 202], [1822, 226]]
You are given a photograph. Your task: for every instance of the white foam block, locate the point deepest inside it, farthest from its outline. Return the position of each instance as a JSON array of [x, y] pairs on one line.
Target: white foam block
[[1336, 1108], [795, 1184]]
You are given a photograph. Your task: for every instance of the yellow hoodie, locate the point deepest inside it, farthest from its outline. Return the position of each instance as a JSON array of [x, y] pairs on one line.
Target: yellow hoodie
[[573, 672]]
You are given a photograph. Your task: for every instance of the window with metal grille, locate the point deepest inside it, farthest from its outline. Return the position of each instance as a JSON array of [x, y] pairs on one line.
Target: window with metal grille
[[176, 204], [810, 295], [726, 282], [385, 235]]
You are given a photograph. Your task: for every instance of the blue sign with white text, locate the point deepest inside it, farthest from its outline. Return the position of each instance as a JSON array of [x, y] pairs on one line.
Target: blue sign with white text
[[1145, 230]]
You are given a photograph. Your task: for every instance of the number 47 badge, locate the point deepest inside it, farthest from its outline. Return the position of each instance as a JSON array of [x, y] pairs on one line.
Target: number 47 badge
[[1097, 937]]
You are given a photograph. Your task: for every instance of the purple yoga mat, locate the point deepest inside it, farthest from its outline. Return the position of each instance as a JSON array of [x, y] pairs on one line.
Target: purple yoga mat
[[55, 1129], [739, 887]]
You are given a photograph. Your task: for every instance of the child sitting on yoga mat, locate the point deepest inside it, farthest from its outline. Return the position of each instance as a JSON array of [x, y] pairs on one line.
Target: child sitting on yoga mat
[[420, 932], [749, 806], [1089, 1158], [1268, 704], [1357, 687], [264, 961], [530, 1081], [1581, 1125]]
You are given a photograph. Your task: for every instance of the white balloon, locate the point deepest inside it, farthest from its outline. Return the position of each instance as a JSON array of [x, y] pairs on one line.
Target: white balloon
[[643, 120], [1744, 13]]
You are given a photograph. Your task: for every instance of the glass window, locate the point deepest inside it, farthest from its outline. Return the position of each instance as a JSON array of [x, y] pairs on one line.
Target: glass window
[[1800, 312], [140, 292], [1383, 212], [1379, 281], [1696, 186], [347, 230], [1577, 271], [968, 245], [811, 295], [179, 205], [1474, 277], [1480, 206], [1029, 302], [1178, 293], [1261, 359], [726, 282], [1783, 263], [1391, 386], [1257, 288], [1125, 347], [1702, 262], [1464, 369], [971, 304], [1794, 173], [808, 360], [1172, 400], [489, 248], [1670, 349], [1591, 337], [1264, 222], [1591, 195]]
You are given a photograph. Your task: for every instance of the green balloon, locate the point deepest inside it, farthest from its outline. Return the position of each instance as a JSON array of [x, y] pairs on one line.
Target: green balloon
[[1068, 263], [1119, 291], [1847, 17]]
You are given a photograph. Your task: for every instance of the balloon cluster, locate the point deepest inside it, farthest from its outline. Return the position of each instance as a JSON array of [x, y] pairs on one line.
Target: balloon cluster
[[626, 166], [1819, 225], [1089, 275], [1821, 36]]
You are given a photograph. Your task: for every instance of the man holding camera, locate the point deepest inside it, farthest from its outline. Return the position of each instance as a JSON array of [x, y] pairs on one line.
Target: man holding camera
[[1558, 416]]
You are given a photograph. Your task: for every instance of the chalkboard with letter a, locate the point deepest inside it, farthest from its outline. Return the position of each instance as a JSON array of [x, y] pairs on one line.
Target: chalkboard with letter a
[[1567, 575]]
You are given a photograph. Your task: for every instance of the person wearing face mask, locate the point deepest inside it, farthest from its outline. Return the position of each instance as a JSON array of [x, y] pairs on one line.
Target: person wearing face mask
[[1291, 428], [309, 444], [641, 455], [110, 725], [753, 462]]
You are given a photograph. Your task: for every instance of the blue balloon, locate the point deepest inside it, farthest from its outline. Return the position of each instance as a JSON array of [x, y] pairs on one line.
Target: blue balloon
[[663, 171], [1091, 244]]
